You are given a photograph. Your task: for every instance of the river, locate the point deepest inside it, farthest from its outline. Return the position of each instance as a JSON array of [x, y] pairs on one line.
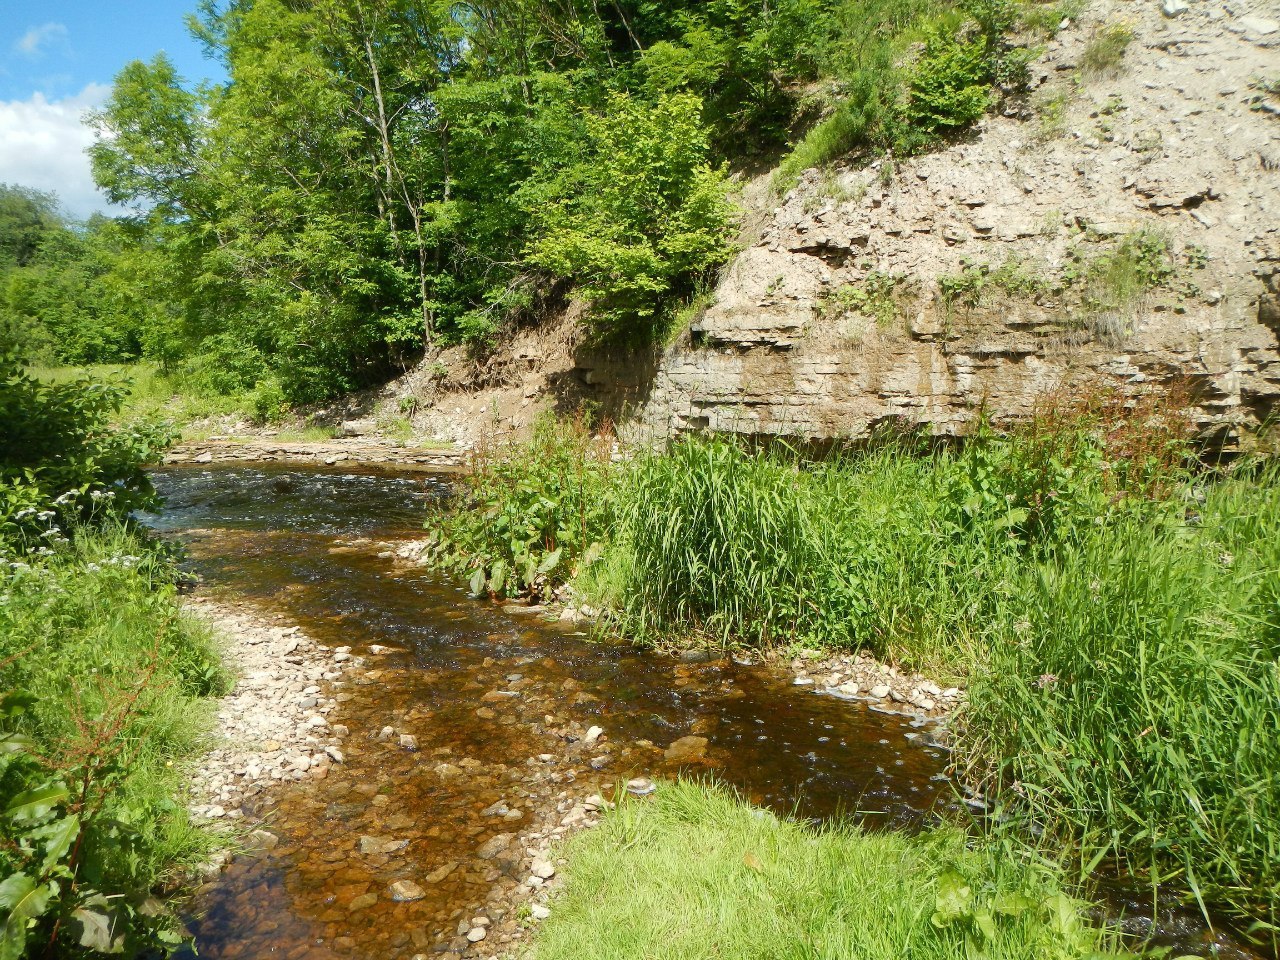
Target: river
[[503, 698]]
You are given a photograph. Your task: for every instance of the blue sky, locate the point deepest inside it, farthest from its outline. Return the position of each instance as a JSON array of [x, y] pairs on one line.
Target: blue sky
[[57, 60]]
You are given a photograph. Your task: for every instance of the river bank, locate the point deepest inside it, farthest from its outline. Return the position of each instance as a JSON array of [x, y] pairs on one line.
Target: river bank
[[358, 452]]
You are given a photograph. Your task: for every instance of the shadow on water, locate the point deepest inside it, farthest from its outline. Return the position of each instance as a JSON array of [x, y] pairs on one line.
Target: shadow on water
[[499, 705]]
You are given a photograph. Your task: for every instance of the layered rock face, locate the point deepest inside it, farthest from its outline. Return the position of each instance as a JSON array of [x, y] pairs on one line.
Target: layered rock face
[[1120, 228]]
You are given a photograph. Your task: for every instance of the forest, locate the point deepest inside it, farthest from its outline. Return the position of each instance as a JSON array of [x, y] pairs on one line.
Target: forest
[[380, 179]]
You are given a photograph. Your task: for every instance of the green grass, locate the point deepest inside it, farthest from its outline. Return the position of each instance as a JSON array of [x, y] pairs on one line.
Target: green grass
[[1104, 52], [1131, 691], [95, 633], [153, 395], [1120, 635], [693, 872]]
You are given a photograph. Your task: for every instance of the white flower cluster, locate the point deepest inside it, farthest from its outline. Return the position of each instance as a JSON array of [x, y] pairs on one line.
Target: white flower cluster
[[124, 562]]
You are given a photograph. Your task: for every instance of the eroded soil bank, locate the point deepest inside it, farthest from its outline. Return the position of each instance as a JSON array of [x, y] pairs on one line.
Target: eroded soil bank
[[467, 738]]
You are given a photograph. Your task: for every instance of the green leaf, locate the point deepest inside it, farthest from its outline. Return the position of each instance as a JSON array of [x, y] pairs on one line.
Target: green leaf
[[1012, 904], [15, 743], [25, 900], [33, 804], [58, 837], [953, 898], [498, 576], [477, 582], [549, 562], [97, 926], [986, 924]]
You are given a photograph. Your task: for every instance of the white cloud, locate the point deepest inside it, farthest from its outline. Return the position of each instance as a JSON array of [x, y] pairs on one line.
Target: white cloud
[[33, 42], [42, 145]]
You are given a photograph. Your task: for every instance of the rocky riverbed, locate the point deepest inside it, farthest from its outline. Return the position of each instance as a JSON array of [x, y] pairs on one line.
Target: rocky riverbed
[[402, 760]]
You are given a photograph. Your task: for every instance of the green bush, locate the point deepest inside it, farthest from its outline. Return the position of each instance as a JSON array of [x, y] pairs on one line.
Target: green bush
[[103, 689], [639, 218], [950, 85], [524, 519], [61, 458]]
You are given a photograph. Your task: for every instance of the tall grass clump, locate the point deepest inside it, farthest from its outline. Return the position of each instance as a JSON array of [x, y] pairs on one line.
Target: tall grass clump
[[897, 547], [694, 872], [719, 541], [1131, 696]]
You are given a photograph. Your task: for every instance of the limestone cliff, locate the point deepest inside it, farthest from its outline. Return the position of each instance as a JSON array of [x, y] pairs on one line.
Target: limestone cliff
[[1122, 226]]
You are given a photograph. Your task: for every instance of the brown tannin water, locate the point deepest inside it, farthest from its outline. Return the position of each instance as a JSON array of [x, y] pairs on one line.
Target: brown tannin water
[[499, 704]]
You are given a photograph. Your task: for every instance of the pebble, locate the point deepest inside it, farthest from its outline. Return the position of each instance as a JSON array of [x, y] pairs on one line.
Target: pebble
[[476, 934], [543, 869], [406, 891]]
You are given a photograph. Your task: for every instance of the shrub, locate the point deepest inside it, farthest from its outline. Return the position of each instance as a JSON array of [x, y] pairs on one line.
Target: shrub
[[950, 85], [1104, 52], [524, 519], [60, 456], [103, 683], [641, 216]]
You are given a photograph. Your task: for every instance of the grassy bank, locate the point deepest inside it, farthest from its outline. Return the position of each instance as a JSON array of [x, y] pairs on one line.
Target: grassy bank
[[1129, 696], [1113, 606], [151, 394], [106, 691], [694, 873], [104, 687]]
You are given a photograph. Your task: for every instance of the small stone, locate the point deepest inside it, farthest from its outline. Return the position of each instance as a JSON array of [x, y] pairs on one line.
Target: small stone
[[494, 846], [409, 742], [438, 874], [406, 891], [334, 754], [802, 682], [1262, 26], [476, 934], [543, 869], [262, 841], [362, 902], [641, 787], [539, 911], [376, 845], [686, 749], [880, 691], [593, 734], [1173, 8]]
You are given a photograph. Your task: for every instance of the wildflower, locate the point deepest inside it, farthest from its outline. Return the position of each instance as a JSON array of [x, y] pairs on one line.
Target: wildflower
[[1226, 559], [1047, 681]]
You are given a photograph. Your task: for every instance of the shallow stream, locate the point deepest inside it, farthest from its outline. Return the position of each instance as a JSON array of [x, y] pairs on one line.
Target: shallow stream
[[499, 703], [503, 698]]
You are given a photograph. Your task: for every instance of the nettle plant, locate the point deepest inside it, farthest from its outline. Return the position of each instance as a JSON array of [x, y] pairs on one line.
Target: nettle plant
[[62, 844]]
